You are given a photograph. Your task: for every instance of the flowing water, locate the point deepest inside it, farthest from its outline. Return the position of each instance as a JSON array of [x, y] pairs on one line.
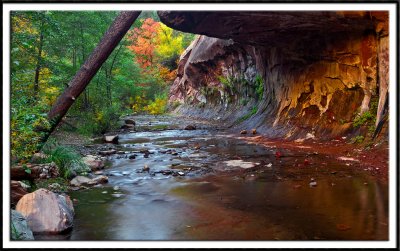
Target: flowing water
[[207, 184]]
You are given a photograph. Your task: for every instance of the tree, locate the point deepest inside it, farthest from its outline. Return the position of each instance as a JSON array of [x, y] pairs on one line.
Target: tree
[[144, 42], [82, 78]]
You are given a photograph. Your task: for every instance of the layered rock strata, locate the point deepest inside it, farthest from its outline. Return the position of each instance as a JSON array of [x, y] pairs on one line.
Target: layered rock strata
[[288, 74]]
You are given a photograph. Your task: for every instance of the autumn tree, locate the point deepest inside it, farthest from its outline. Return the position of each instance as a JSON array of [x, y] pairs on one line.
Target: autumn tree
[[144, 43]]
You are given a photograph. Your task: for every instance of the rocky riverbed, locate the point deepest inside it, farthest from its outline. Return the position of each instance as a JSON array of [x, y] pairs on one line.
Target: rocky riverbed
[[210, 183]]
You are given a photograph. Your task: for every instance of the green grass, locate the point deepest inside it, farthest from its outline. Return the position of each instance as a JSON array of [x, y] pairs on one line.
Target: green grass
[[65, 157]]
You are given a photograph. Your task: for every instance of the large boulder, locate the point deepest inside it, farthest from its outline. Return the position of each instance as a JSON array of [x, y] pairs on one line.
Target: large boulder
[[19, 227], [47, 212], [17, 192]]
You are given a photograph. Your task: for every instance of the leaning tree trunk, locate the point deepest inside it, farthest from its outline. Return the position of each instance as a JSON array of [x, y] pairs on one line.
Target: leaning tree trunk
[[77, 85]]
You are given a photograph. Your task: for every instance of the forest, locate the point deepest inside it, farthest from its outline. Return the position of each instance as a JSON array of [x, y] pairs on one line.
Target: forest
[[47, 49]]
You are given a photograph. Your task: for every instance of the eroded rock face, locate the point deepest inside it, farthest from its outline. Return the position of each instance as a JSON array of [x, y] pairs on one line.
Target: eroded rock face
[[47, 212], [309, 63]]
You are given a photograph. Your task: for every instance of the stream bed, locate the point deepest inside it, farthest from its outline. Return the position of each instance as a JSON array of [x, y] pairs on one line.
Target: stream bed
[[209, 184]]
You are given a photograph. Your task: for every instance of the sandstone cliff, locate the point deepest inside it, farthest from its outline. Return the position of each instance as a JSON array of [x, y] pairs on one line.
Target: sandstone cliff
[[288, 74]]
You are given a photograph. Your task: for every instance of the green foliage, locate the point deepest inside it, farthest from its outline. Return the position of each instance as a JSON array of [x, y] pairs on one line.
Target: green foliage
[[28, 126], [363, 119], [65, 40], [100, 121], [357, 139], [248, 115], [26, 169], [227, 82], [259, 86], [158, 106], [65, 157]]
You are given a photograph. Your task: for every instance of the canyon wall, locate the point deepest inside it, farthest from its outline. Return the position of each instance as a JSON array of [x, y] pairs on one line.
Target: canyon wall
[[289, 74]]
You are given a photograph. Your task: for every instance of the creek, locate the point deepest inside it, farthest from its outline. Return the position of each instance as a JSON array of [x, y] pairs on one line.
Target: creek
[[210, 184]]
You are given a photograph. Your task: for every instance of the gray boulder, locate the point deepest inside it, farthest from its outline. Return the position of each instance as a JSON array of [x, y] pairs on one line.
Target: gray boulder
[[19, 227]]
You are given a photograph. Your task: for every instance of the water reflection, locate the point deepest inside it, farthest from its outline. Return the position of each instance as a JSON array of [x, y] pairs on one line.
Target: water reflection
[[272, 201]]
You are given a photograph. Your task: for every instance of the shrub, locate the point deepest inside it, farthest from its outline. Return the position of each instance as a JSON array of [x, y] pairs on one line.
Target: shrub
[[28, 126], [227, 83], [158, 106], [66, 158], [259, 86], [100, 121], [364, 118]]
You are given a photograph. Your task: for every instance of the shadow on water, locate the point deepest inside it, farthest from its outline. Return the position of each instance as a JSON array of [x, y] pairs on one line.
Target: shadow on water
[[272, 200]]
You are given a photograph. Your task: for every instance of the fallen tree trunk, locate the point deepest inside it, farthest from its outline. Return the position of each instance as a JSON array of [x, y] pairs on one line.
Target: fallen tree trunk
[[77, 85]]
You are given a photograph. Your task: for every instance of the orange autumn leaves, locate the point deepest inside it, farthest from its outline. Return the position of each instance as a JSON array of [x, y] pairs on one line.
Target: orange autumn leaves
[[153, 44], [144, 42]]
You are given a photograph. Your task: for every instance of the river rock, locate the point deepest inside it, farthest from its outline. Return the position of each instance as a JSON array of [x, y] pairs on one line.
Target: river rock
[[47, 212], [313, 182], [130, 122], [243, 132], [190, 127], [111, 139], [17, 192], [80, 181], [107, 152], [93, 163], [128, 126], [19, 227], [146, 168], [100, 179]]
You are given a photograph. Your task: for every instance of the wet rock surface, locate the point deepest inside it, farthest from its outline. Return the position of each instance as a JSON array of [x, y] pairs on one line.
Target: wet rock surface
[[221, 185], [47, 212]]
